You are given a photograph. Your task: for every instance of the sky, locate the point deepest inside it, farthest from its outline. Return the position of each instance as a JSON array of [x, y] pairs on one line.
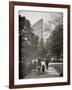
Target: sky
[[34, 16]]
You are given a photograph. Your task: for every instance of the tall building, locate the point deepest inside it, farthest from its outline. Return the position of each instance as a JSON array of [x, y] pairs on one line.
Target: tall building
[[38, 28], [41, 30]]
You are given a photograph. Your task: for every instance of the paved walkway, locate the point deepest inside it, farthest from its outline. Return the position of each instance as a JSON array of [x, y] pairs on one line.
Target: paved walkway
[[51, 72]]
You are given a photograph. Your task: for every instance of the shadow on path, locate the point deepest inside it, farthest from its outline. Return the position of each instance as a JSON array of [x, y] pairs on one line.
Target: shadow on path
[[51, 72]]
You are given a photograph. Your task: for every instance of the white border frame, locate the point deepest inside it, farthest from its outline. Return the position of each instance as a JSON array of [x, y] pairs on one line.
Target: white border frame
[[16, 50]]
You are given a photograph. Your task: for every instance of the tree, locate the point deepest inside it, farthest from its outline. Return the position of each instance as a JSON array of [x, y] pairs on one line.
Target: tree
[[54, 42], [27, 44], [57, 41]]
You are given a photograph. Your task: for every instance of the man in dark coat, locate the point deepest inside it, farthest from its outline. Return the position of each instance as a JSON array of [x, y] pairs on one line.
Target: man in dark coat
[[47, 63]]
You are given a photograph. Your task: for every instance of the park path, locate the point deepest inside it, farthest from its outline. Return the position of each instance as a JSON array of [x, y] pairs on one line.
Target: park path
[[51, 72]]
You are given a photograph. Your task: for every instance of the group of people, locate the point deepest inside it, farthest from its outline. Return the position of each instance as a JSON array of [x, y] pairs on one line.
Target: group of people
[[38, 66]]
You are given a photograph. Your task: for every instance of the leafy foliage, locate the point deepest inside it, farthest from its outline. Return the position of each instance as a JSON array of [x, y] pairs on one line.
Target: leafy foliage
[[55, 42], [27, 44]]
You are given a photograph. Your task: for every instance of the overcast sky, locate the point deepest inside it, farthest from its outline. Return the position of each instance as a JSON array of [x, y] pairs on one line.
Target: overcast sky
[[33, 17]]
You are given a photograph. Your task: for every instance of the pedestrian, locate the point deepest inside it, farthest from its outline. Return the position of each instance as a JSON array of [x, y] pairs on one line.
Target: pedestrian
[[47, 63], [39, 65], [35, 64], [43, 68], [39, 62], [38, 68]]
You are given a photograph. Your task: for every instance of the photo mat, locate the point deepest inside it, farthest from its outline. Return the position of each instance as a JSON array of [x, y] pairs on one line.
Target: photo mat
[[60, 14]]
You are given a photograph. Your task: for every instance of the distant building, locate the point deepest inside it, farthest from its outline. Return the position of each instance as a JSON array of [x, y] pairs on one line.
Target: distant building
[[38, 28]]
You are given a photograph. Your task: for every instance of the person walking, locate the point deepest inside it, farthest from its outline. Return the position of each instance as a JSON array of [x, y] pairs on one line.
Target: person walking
[[43, 68], [39, 65], [35, 65], [47, 63]]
